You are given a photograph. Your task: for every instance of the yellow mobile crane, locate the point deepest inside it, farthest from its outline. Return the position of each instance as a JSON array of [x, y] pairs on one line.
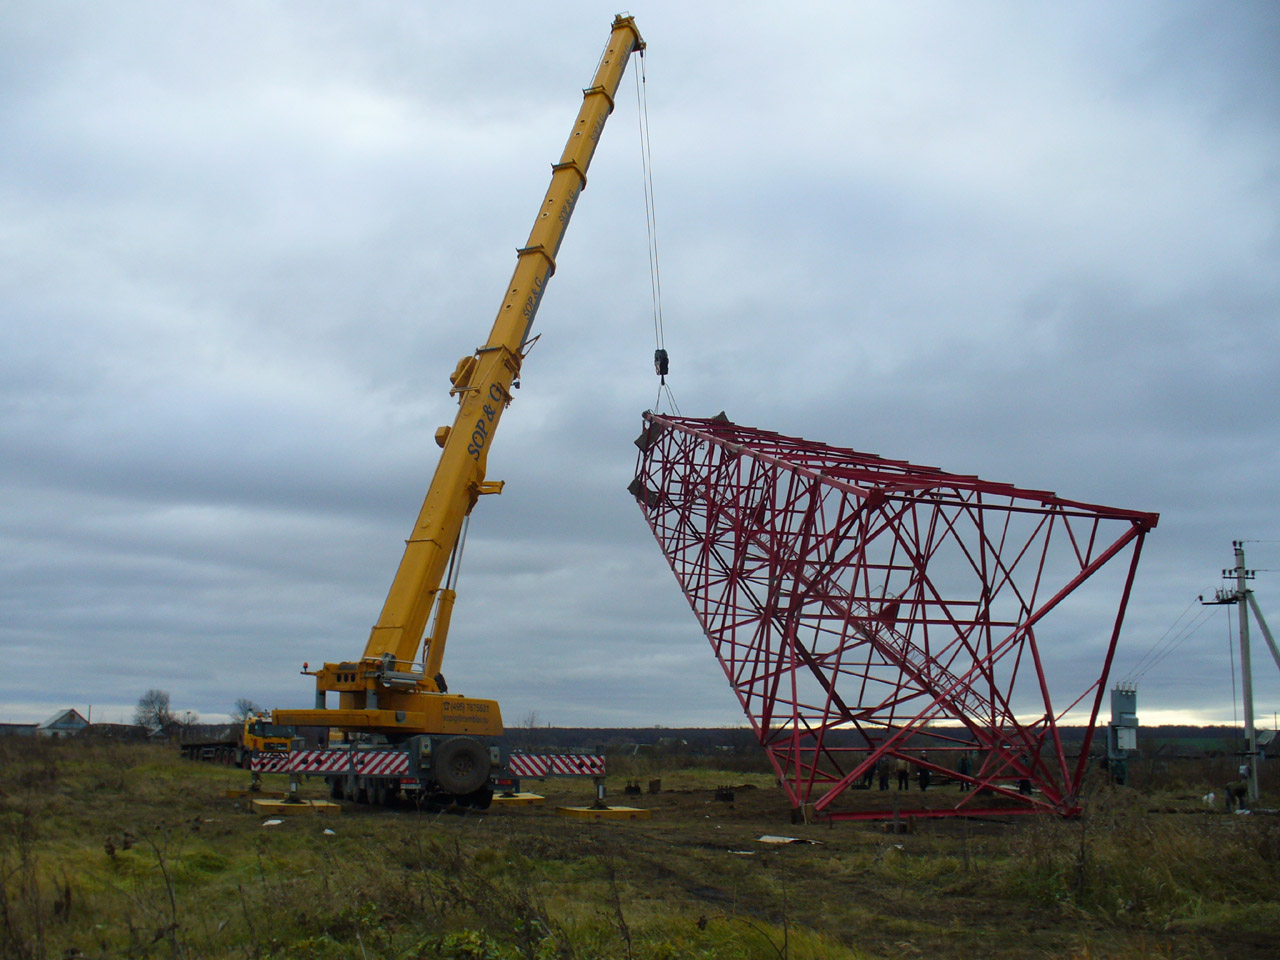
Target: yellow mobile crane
[[396, 724]]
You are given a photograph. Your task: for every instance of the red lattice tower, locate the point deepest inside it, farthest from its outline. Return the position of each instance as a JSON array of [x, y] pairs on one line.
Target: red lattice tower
[[866, 609]]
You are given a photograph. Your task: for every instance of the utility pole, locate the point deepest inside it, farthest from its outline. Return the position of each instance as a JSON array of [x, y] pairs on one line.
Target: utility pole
[[1246, 670], [1242, 597]]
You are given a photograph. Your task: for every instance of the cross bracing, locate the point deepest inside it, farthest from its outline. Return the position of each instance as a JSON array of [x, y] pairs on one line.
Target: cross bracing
[[866, 609]]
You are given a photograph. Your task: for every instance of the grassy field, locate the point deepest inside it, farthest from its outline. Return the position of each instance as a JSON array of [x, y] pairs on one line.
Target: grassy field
[[123, 850]]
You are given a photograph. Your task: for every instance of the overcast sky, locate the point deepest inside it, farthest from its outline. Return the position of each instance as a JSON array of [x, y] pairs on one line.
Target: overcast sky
[[242, 245]]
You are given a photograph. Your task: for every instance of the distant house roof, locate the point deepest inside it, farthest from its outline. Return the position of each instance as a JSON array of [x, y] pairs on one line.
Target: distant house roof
[[21, 729], [64, 720]]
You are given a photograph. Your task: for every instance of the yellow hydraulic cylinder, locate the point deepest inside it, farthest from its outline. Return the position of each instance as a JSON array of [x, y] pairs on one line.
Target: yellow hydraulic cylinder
[[440, 633]]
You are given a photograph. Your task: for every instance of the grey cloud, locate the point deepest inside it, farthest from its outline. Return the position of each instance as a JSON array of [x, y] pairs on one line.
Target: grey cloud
[[242, 252]]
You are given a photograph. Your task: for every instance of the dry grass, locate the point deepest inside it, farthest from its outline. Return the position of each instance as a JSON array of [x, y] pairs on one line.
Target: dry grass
[[123, 850]]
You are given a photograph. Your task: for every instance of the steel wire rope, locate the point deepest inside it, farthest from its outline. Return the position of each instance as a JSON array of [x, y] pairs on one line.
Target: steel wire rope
[[651, 232]]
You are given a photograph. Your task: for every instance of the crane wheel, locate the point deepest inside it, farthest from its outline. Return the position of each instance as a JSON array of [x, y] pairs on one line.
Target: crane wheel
[[461, 765]]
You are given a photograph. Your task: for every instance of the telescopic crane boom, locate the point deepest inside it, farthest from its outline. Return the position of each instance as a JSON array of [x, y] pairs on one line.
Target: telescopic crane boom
[[386, 691]]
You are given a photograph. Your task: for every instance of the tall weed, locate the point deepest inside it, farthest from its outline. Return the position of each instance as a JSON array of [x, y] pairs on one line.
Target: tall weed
[[1117, 862]]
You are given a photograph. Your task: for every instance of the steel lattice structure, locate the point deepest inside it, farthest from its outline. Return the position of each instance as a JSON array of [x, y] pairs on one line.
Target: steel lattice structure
[[864, 608]]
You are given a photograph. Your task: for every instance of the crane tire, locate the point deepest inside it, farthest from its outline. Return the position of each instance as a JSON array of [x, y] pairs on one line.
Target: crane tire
[[461, 765]]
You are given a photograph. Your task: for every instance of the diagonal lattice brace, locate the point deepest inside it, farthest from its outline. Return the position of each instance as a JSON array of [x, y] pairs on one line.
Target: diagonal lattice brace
[[865, 609]]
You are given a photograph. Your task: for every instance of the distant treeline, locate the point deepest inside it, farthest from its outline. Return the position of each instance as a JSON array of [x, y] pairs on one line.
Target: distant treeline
[[737, 739], [1168, 740]]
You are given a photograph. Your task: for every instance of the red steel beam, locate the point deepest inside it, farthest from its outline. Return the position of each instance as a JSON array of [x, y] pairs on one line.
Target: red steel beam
[[854, 601]]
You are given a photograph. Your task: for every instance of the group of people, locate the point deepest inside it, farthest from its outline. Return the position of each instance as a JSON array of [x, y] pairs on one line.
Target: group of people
[[889, 768]]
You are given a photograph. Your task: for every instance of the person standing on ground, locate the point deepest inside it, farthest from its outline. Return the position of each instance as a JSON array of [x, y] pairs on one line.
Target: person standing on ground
[[923, 772], [904, 772], [1236, 792]]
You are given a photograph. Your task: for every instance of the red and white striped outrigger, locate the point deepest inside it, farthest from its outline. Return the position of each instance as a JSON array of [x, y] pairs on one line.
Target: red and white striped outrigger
[[365, 763], [389, 763], [556, 765]]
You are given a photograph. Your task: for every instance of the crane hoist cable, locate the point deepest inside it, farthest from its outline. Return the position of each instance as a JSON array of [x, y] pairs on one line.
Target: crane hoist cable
[[661, 360]]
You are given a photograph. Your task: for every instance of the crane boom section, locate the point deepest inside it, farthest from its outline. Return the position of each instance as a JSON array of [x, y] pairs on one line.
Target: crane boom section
[[483, 382]]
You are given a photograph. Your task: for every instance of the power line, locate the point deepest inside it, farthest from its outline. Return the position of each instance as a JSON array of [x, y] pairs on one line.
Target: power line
[[1187, 632], [1162, 646]]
